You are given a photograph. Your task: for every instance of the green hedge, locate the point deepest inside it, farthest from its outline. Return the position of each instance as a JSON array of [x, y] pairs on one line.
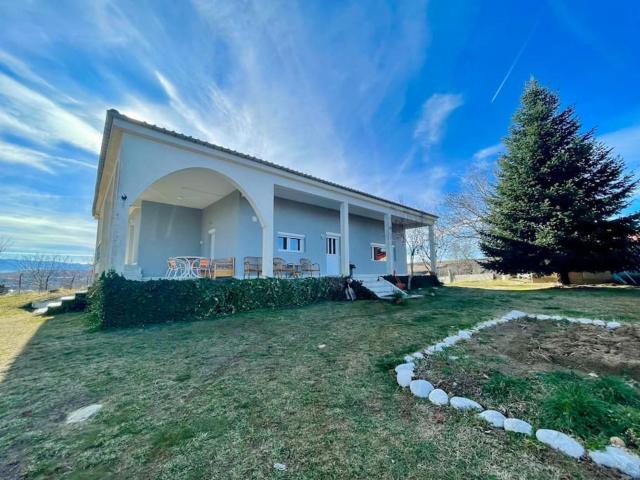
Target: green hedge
[[117, 302]]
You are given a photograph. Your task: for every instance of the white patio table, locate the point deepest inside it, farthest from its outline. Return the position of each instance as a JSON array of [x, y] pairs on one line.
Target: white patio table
[[188, 266]]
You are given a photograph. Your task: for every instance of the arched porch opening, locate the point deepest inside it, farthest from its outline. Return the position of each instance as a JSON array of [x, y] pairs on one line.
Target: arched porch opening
[[193, 212]]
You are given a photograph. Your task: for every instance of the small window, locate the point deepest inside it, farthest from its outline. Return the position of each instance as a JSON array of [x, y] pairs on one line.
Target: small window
[[289, 242], [378, 252], [331, 246]]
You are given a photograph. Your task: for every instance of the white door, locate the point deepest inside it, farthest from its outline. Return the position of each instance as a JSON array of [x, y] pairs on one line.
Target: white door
[[212, 243], [332, 249]]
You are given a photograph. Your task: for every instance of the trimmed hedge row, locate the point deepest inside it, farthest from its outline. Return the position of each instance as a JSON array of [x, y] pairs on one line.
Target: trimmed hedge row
[[117, 302]]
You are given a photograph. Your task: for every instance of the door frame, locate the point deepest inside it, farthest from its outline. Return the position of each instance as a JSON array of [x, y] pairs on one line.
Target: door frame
[[212, 243], [338, 252]]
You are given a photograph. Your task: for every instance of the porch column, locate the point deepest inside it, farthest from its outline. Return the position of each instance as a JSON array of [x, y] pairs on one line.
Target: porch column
[[118, 227], [344, 238], [266, 208], [388, 241], [432, 249]]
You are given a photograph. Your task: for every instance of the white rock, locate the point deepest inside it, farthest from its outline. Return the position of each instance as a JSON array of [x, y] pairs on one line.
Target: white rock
[[493, 417], [453, 357], [464, 334], [84, 413], [404, 377], [280, 466], [418, 355], [584, 321], [451, 340], [514, 314], [461, 403], [618, 458], [560, 442], [613, 325], [439, 397], [600, 323], [542, 317], [420, 388], [408, 358], [518, 426], [429, 350], [405, 366]]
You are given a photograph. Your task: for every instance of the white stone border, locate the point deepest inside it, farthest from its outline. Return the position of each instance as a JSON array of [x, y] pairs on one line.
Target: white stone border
[[613, 456]]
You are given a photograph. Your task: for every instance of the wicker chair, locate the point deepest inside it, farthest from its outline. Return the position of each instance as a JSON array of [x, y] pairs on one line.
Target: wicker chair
[[306, 266], [280, 268], [224, 267], [204, 268], [252, 265]]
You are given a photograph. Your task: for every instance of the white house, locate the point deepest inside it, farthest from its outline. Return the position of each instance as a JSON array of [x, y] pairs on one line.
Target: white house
[[160, 194]]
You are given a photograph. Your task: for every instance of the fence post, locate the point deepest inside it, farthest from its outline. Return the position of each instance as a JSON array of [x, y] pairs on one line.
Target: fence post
[[19, 283]]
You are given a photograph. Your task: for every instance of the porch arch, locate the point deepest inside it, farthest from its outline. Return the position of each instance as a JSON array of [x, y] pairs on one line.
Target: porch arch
[[199, 187], [206, 171]]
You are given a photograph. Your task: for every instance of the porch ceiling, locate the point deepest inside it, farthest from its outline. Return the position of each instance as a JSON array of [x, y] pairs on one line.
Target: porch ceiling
[[189, 188], [308, 198]]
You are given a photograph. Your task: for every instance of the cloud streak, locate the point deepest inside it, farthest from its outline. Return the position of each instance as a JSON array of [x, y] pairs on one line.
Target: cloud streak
[[435, 112], [515, 61], [32, 115]]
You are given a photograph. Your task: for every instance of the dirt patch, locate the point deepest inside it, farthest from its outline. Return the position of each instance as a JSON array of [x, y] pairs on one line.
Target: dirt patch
[[524, 347]]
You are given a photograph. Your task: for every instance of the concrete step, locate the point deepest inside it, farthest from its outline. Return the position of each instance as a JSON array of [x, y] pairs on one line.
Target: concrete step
[[67, 303], [378, 285]]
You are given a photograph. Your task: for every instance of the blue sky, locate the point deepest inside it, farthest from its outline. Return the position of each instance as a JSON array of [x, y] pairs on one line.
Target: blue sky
[[396, 98]]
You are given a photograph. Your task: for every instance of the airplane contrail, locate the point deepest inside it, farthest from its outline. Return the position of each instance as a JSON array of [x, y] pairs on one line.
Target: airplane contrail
[[515, 61]]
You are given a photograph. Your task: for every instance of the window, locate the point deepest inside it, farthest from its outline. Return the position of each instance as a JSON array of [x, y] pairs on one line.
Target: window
[[378, 252], [290, 242], [331, 246]]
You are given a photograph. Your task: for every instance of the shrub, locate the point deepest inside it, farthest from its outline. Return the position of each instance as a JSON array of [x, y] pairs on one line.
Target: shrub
[[117, 302]]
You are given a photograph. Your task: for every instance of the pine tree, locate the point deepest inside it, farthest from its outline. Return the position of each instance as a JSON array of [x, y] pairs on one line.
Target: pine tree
[[559, 197]]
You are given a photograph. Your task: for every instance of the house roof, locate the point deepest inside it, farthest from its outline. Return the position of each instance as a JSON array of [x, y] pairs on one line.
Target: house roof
[[113, 114]]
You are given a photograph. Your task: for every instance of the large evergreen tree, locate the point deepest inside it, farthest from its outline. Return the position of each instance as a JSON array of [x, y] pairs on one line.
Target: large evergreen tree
[[559, 197]]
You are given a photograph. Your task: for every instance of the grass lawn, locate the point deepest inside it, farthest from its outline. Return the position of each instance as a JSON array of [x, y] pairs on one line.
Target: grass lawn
[[228, 398], [510, 284]]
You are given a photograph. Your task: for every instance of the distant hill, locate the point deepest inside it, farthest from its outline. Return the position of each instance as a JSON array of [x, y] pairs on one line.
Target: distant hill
[[11, 265]]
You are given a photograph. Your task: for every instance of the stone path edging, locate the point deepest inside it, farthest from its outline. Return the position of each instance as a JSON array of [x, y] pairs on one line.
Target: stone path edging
[[613, 456]]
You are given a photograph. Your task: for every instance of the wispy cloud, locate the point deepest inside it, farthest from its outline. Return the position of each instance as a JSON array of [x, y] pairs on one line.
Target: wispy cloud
[[626, 143], [16, 154], [29, 113], [435, 112], [488, 152], [33, 221]]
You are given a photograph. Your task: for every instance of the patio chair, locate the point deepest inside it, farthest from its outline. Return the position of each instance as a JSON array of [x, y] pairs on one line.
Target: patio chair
[[306, 266], [173, 269], [203, 268], [280, 267], [252, 265], [224, 267]]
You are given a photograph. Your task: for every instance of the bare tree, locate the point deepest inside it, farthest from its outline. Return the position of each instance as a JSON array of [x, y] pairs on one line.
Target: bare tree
[[416, 241], [39, 269], [468, 207]]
